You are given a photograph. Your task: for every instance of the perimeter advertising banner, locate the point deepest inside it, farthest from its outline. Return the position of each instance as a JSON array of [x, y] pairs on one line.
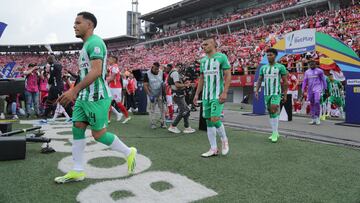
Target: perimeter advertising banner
[[300, 41]]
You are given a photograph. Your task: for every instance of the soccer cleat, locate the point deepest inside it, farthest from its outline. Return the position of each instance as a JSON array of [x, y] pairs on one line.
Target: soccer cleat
[[317, 121], [274, 137], [126, 120], [2, 116], [323, 118], [131, 160], [312, 122], [210, 153], [119, 117], [71, 176], [189, 130], [174, 130], [15, 117], [153, 126], [163, 125], [225, 148]]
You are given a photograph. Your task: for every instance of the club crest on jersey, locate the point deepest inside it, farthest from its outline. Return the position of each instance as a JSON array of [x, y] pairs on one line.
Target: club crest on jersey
[[97, 50]]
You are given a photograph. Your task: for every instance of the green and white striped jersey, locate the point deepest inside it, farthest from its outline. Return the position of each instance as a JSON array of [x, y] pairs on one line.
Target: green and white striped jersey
[[335, 88], [213, 70], [272, 78], [93, 48]]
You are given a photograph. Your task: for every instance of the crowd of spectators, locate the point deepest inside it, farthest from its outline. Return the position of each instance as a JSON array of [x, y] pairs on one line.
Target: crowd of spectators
[[244, 48], [228, 17]]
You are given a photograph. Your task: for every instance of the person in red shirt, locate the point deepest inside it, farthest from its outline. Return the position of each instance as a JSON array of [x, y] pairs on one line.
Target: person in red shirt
[[293, 83], [169, 99], [114, 81], [130, 89]]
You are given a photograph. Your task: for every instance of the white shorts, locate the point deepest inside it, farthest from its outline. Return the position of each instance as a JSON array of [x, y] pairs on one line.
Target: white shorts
[[116, 94], [294, 94], [169, 100]]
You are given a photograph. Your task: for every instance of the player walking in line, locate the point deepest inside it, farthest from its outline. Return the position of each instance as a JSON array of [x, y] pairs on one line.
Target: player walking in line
[[93, 98], [315, 81], [214, 82], [272, 74]]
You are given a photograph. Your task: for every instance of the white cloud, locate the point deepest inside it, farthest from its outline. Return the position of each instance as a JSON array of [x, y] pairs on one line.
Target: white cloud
[[43, 21]]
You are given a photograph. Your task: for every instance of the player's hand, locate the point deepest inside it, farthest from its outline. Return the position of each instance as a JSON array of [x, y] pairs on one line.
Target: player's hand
[[67, 97], [257, 95], [222, 98], [195, 100]]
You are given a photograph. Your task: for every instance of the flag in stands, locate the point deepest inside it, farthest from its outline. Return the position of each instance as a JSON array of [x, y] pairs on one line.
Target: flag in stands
[[330, 65], [2, 28]]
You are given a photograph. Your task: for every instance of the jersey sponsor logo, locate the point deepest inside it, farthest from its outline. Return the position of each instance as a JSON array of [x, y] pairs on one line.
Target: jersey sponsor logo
[[211, 72], [84, 65]]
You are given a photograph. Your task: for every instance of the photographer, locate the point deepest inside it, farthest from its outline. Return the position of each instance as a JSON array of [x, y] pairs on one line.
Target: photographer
[[178, 89]]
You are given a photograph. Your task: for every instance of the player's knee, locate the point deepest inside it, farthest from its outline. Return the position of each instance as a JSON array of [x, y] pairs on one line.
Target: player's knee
[[98, 133], [80, 125]]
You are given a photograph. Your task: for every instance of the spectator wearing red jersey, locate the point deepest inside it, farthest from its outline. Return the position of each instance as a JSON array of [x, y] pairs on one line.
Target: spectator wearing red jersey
[[115, 85], [130, 90]]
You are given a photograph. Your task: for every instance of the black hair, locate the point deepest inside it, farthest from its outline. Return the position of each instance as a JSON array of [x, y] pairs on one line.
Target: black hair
[[31, 65], [169, 65], [88, 16], [157, 64], [272, 50]]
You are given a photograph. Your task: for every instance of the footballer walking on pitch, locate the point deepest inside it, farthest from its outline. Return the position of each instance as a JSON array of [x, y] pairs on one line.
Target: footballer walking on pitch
[[214, 82], [272, 74], [93, 98]]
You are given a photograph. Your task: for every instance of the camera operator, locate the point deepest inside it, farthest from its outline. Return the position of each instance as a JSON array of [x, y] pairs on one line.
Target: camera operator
[[56, 85], [190, 75], [178, 88]]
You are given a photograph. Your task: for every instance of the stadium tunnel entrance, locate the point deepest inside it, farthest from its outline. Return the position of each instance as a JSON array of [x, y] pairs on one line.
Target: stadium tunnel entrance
[[346, 59]]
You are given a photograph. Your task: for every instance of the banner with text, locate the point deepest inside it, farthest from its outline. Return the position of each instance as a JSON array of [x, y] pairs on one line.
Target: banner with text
[[300, 41]]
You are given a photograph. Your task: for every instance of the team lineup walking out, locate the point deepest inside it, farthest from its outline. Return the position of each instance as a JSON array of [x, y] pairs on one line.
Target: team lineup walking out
[[93, 98], [214, 84], [272, 74]]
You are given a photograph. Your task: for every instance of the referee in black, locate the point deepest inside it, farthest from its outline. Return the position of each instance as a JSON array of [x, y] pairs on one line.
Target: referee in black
[[56, 85]]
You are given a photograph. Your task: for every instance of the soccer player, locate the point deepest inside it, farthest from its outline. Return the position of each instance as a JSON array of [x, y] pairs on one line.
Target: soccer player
[[115, 86], [93, 98], [272, 74], [336, 97], [315, 81], [214, 82]]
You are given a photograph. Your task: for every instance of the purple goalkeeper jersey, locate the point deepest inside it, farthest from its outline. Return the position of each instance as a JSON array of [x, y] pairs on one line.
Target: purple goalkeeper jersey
[[315, 80]]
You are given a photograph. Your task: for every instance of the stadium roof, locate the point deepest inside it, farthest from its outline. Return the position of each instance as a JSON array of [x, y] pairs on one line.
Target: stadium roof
[[182, 8], [68, 46]]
